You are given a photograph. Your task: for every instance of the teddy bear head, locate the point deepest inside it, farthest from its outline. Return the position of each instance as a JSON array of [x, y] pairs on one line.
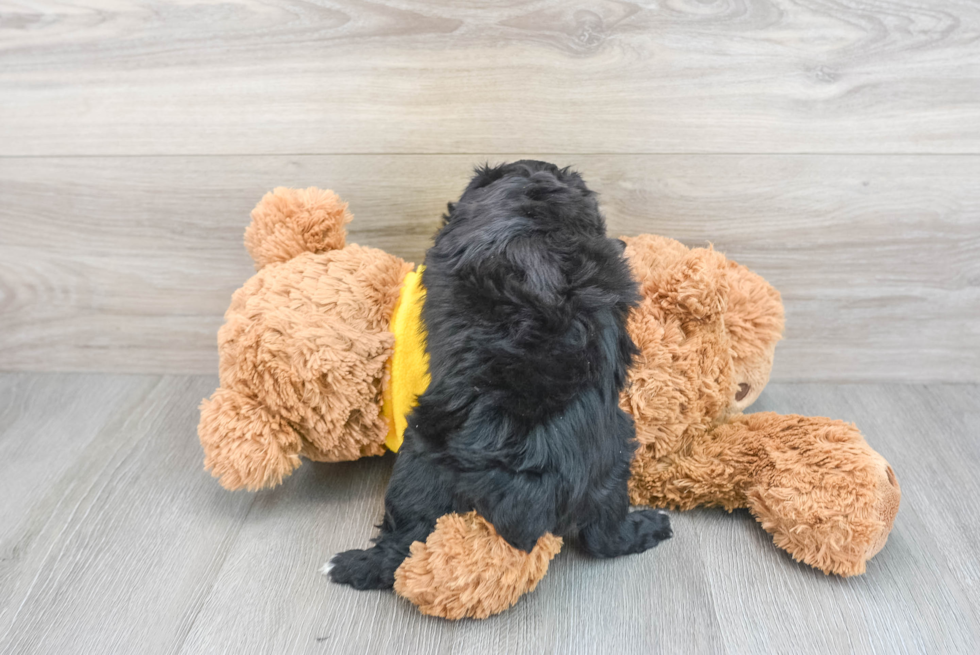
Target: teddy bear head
[[754, 324], [304, 348], [706, 329]]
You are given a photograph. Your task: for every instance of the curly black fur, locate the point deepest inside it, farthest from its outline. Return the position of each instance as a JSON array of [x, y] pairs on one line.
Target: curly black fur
[[526, 306]]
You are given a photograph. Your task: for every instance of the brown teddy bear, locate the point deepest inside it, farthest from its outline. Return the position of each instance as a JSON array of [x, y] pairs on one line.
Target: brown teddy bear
[[321, 357]]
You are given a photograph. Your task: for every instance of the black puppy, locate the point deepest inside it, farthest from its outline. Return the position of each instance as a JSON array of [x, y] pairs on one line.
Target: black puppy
[[526, 306]]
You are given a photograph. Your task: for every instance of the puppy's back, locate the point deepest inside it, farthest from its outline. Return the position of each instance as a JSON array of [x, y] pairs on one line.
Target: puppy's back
[[527, 298]]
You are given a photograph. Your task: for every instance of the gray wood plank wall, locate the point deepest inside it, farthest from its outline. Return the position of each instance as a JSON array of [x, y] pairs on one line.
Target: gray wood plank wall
[[833, 147]]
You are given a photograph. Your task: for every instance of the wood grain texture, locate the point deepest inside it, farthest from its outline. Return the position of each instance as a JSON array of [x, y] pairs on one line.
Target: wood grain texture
[[925, 581], [117, 532], [127, 264], [39, 449], [130, 547], [245, 76]]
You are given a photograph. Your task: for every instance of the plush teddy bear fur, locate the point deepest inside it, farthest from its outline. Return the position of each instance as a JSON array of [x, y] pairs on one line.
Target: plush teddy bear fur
[[466, 570], [304, 355], [707, 330], [305, 346]]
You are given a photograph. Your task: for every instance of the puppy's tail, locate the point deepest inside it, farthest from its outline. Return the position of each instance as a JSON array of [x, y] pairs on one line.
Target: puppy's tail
[[289, 222]]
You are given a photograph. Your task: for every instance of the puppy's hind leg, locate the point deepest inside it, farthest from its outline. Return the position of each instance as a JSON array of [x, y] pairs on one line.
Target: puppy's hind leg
[[419, 492], [614, 530], [636, 532], [372, 568]]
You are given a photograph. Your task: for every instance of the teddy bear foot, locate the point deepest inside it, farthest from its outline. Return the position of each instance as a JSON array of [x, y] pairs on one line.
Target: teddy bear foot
[[834, 507], [466, 570]]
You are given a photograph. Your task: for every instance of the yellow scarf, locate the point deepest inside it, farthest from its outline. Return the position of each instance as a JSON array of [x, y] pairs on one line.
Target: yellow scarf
[[409, 365]]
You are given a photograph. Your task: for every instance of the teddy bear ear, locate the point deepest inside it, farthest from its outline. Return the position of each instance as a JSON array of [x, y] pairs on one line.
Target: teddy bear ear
[[696, 284], [289, 222]]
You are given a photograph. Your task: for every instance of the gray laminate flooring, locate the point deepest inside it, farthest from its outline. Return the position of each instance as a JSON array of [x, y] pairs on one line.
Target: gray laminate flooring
[[114, 540]]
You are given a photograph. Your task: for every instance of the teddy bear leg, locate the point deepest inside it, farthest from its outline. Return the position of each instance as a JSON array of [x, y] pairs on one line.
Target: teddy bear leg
[[464, 569], [826, 497], [246, 445]]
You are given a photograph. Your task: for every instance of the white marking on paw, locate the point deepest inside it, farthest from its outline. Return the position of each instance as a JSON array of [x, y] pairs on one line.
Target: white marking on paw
[[325, 569]]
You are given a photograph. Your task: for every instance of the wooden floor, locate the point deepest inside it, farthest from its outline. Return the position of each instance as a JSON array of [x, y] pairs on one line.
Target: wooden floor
[[114, 540]]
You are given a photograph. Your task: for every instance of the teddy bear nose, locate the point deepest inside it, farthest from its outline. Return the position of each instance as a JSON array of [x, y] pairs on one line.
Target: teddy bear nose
[[743, 391]]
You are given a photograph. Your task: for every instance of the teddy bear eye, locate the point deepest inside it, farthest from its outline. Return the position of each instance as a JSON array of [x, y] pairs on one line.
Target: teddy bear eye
[[743, 391]]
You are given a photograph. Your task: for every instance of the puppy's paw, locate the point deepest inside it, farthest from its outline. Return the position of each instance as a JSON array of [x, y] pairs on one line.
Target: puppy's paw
[[361, 569], [651, 527]]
